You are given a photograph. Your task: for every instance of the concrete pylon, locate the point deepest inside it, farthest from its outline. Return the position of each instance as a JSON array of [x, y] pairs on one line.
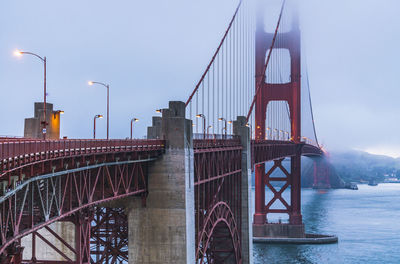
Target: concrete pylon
[[164, 230], [33, 127], [240, 129]]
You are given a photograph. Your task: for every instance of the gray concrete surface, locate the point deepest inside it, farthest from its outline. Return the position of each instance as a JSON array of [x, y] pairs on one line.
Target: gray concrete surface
[[164, 230]]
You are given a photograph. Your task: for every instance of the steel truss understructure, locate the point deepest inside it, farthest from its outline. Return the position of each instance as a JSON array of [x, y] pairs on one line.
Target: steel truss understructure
[[217, 167], [72, 183], [267, 150]]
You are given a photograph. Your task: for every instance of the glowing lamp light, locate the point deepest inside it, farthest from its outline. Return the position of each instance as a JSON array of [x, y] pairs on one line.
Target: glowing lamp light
[[90, 82], [17, 53]]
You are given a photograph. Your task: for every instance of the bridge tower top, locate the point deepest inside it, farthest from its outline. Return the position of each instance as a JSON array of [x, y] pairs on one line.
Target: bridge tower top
[[290, 92]]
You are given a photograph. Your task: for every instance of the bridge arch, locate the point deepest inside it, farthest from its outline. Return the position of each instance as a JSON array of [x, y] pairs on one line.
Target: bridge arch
[[219, 239]]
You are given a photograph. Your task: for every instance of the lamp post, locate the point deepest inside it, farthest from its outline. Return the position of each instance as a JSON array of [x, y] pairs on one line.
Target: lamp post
[[43, 59], [269, 135], [287, 135], [230, 122], [251, 130], [276, 132], [108, 103], [208, 128], [133, 120], [283, 135], [204, 123], [226, 125], [94, 125]]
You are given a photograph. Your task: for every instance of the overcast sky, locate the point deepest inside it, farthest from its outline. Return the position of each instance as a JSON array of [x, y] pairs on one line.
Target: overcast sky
[[151, 52]]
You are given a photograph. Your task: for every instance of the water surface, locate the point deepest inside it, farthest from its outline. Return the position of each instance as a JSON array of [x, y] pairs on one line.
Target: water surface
[[366, 221]]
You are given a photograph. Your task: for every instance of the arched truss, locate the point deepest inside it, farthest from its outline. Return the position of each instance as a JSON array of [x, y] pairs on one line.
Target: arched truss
[[217, 168], [219, 241], [68, 195]]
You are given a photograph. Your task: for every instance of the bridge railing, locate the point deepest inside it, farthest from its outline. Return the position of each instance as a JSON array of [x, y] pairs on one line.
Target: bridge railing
[[18, 148], [13, 139], [201, 141]]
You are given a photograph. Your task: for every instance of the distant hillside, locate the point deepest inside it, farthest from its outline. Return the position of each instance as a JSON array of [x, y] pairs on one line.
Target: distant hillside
[[361, 166], [347, 166]]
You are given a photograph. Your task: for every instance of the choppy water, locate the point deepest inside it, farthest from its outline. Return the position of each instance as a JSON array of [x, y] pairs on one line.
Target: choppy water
[[366, 221]]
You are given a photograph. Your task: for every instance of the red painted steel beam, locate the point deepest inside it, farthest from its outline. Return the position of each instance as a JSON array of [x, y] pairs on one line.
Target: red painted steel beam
[[43, 200]]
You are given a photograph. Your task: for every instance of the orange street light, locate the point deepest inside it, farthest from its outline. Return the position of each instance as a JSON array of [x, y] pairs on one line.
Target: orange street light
[[19, 53]]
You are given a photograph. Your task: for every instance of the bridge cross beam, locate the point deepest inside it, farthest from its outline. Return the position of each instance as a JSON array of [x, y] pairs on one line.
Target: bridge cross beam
[[289, 92]]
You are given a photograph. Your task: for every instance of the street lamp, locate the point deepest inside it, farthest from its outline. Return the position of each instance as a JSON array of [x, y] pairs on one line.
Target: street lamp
[[287, 135], [210, 126], [58, 112], [226, 125], [94, 125], [133, 120], [276, 132], [230, 122], [43, 59], [283, 135], [204, 123], [251, 130], [269, 134], [108, 103]]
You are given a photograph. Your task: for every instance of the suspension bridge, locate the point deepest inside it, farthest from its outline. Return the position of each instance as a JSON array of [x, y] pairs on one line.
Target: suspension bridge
[[183, 195]]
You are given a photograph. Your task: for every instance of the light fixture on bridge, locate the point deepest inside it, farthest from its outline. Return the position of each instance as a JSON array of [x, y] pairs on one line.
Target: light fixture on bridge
[[251, 130], [44, 123], [94, 124], [159, 111], [17, 53], [58, 112], [108, 102], [132, 121], [204, 123], [225, 127], [208, 129]]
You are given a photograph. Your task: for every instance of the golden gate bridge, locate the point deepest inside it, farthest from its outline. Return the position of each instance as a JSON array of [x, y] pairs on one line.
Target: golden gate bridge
[[183, 194]]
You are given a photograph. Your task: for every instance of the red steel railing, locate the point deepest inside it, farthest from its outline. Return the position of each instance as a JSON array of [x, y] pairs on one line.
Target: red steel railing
[[13, 149]]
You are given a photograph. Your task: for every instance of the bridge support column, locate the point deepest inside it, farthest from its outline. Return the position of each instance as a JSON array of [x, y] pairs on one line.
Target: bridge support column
[[163, 231], [295, 217], [240, 129]]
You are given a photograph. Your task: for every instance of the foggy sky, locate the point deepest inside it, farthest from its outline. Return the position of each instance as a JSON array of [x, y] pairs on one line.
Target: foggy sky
[[151, 52]]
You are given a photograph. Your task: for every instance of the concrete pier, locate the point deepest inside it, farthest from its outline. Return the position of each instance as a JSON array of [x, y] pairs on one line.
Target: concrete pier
[[164, 230], [33, 127], [240, 129]]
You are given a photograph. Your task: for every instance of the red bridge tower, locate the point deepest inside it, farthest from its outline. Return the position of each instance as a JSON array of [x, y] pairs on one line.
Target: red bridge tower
[[291, 93]]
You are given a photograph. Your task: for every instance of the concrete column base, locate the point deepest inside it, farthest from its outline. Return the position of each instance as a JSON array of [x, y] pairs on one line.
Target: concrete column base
[[279, 230]]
